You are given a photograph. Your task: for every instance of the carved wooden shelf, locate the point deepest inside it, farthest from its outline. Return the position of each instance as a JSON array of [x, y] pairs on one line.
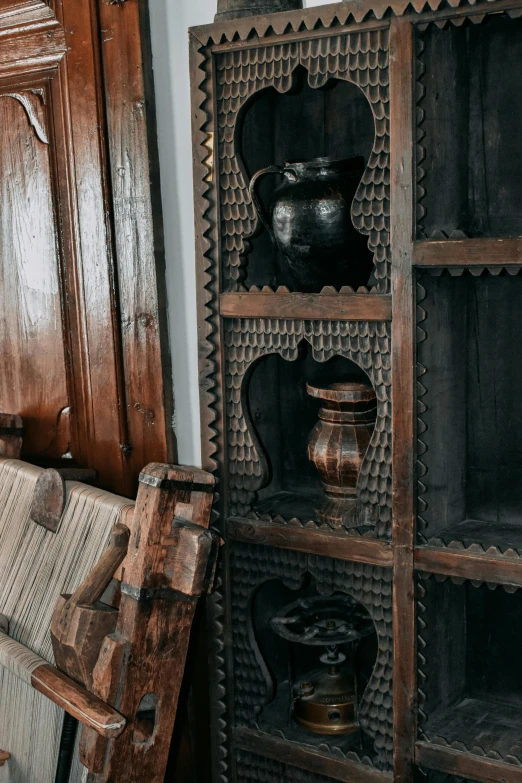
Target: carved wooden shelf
[[338, 306], [462, 764], [259, 99], [474, 549], [305, 757], [465, 564], [468, 252], [357, 549]]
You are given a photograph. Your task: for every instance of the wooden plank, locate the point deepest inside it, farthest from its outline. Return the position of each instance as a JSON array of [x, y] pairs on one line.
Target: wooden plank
[[403, 364], [138, 233], [468, 252], [316, 542], [469, 565], [342, 307], [466, 765], [307, 758]]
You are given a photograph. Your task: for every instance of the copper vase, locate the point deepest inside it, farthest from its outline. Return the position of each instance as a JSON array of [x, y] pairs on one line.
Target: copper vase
[[337, 446]]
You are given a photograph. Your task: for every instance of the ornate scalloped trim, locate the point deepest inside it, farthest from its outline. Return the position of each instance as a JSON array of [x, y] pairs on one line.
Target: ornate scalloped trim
[[476, 750], [208, 397], [475, 548], [474, 271], [328, 290], [334, 15], [420, 594], [208, 345], [421, 424], [324, 748], [420, 150]]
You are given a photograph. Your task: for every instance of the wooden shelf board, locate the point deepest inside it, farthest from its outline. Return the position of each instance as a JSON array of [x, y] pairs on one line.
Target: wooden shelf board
[[339, 307], [496, 569], [481, 561], [319, 542], [465, 765], [468, 252], [307, 758]]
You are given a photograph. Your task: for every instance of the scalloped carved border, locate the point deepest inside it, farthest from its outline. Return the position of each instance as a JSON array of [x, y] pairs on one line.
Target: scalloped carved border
[[315, 20], [209, 373], [365, 343], [360, 58]]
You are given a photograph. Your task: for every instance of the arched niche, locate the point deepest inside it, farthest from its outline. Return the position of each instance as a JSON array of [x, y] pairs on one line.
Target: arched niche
[[281, 415], [283, 663], [274, 128]]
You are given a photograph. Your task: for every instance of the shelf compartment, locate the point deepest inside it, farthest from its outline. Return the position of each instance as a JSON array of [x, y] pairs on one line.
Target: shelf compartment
[[307, 758], [341, 546], [465, 765], [470, 681], [470, 435], [466, 253], [338, 306], [469, 86]]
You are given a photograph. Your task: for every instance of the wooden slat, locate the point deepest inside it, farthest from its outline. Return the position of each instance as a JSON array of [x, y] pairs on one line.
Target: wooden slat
[[307, 758], [466, 765], [469, 565], [138, 234], [468, 252], [319, 542], [403, 364], [343, 307]]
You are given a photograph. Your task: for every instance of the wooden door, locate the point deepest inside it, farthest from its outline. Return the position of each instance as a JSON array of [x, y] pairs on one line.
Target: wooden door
[[81, 277]]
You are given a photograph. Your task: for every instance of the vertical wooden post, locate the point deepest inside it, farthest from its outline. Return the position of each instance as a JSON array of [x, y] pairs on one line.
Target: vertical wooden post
[[170, 560], [403, 369]]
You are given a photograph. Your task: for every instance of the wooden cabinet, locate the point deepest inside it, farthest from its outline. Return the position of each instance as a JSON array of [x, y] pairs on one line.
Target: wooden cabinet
[[428, 96], [81, 287]]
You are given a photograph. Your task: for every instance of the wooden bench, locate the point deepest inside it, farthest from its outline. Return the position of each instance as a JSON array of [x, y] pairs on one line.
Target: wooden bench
[[97, 598]]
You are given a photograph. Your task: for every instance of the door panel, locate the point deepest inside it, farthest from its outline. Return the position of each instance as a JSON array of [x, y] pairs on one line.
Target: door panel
[[33, 378], [81, 325]]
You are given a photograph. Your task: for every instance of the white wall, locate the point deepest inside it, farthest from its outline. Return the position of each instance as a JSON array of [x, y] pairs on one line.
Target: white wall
[[170, 20]]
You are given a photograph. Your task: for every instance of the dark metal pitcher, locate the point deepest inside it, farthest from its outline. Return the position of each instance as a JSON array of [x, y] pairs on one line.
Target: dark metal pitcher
[[309, 222]]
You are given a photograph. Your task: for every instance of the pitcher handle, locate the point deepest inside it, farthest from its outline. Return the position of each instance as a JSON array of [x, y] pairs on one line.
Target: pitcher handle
[[252, 192]]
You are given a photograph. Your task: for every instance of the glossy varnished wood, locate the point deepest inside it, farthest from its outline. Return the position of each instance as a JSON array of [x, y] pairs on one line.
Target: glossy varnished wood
[[82, 336]]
